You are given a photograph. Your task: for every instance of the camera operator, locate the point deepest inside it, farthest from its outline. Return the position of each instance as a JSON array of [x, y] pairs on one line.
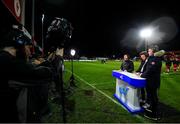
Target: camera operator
[[14, 66]]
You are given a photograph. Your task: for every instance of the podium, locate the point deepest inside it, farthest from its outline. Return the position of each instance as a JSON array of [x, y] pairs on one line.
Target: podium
[[128, 87]]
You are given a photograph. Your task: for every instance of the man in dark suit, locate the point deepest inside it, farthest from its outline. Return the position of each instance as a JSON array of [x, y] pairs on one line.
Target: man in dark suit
[[141, 69], [152, 74], [127, 64]]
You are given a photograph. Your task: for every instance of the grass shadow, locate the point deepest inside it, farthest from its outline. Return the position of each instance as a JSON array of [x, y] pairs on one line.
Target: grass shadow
[[168, 113], [89, 92]]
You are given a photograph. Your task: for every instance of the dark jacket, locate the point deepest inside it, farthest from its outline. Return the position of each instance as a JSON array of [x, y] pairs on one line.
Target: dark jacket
[[127, 65], [18, 70], [140, 66], [168, 62], [175, 62], [152, 71]]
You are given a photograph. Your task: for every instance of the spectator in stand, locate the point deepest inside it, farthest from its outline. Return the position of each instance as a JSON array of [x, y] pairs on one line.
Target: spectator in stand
[[168, 63], [178, 59], [175, 64]]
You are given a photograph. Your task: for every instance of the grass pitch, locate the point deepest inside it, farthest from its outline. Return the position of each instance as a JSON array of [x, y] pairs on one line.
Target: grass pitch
[[92, 100]]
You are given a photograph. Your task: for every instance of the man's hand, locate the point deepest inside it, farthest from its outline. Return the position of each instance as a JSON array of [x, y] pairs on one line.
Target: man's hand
[[60, 52], [36, 62], [138, 74]]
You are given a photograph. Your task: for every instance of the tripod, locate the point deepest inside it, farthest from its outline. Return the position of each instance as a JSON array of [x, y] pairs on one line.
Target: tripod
[[72, 83]]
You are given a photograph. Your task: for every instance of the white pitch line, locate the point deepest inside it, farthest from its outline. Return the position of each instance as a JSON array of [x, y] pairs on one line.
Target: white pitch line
[[102, 93], [95, 84], [96, 89]]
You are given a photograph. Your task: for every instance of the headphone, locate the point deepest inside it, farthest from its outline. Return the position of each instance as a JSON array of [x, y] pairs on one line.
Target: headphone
[[20, 35]]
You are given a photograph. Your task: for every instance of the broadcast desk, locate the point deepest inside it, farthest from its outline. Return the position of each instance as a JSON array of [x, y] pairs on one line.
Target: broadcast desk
[[128, 87]]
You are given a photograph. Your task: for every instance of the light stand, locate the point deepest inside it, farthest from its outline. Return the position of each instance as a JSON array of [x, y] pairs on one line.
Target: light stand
[[42, 34], [146, 44], [72, 84]]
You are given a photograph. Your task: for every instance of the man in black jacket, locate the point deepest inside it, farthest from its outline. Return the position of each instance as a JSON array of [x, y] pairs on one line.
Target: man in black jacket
[[152, 74], [141, 69], [14, 67], [127, 64]]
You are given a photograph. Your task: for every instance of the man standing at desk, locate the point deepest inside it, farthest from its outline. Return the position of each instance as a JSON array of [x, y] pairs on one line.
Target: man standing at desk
[[152, 74], [127, 64], [141, 69]]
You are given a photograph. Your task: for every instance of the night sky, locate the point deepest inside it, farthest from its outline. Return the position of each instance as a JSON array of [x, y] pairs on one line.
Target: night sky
[[101, 26]]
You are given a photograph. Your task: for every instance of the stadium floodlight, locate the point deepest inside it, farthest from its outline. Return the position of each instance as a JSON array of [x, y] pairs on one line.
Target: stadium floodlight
[[72, 52], [146, 33]]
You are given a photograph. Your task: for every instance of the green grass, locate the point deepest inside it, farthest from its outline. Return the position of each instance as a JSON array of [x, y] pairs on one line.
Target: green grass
[[90, 105]]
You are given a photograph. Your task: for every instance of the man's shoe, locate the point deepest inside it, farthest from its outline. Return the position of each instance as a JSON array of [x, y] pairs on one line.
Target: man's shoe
[[152, 116], [146, 105], [148, 109], [142, 102]]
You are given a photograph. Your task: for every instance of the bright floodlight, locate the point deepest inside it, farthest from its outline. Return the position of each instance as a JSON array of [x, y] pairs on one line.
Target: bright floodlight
[[73, 52], [145, 33]]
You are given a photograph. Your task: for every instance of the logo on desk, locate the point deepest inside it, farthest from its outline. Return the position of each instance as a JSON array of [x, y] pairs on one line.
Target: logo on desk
[[121, 77], [123, 90]]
